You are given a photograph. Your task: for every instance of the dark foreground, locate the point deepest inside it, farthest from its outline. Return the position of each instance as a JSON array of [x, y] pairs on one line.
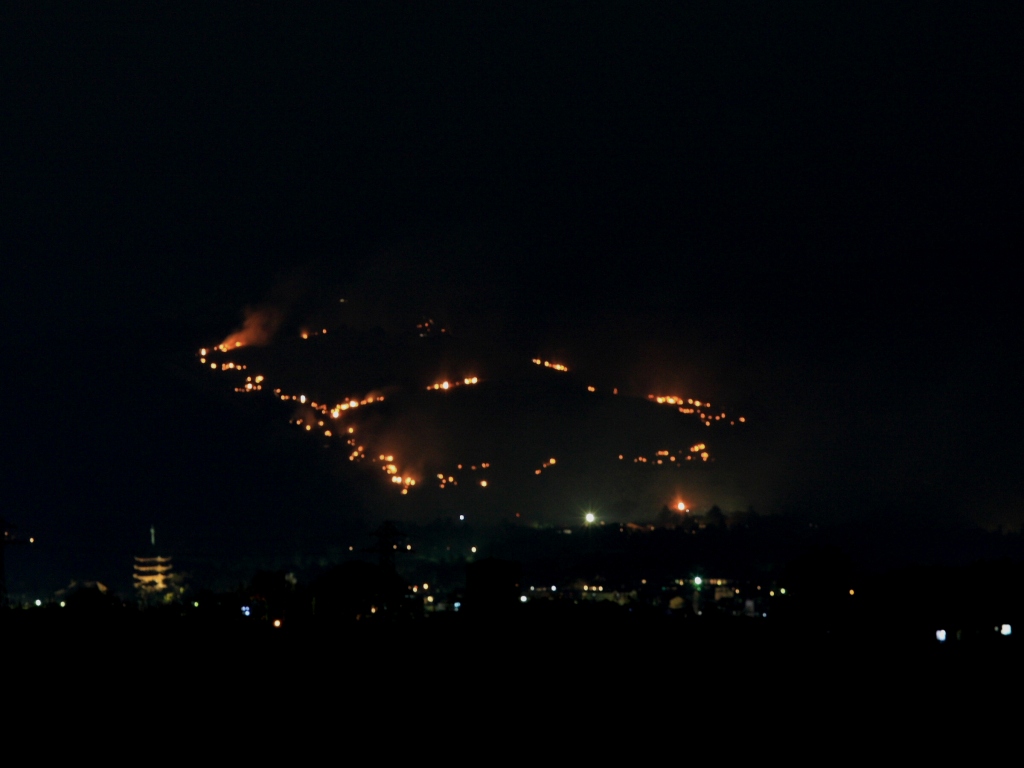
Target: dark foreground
[[644, 657]]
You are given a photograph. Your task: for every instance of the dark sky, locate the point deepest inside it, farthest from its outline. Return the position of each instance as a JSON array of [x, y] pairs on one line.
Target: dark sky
[[817, 207]]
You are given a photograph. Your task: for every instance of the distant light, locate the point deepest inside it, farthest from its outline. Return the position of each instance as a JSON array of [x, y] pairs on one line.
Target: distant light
[[457, 605], [782, 591], [523, 599], [553, 589], [681, 506], [430, 598], [277, 623], [590, 517], [1005, 630], [851, 593], [940, 635], [195, 604], [408, 547], [62, 603], [426, 586], [462, 517], [472, 549], [771, 593], [245, 610], [698, 580], [31, 540], [38, 603]]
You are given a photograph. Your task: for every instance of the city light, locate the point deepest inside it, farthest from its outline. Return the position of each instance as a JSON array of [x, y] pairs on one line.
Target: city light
[[940, 635], [590, 517], [1005, 630], [277, 623], [698, 580]]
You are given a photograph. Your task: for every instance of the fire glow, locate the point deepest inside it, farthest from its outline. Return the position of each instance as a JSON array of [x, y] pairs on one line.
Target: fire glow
[[446, 385], [549, 364], [326, 420], [701, 409], [258, 329]]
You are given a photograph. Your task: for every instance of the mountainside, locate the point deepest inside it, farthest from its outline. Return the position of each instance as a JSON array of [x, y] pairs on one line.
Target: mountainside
[[429, 424]]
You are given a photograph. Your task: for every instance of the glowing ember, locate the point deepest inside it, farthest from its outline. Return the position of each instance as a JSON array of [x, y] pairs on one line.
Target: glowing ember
[[549, 364], [446, 385], [258, 329]]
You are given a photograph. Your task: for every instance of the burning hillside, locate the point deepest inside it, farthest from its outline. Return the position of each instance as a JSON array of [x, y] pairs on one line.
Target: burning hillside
[[433, 424]]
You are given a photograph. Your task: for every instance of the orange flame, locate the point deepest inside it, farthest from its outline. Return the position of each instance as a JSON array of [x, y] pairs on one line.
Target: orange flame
[[257, 330]]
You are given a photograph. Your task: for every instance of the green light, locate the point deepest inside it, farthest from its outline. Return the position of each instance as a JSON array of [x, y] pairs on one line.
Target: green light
[[698, 581]]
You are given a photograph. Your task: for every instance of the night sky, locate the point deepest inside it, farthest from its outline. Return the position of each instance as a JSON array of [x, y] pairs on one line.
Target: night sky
[[810, 213]]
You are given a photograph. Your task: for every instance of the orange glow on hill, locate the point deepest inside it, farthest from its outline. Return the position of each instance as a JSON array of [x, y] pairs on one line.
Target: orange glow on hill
[[257, 330], [446, 385], [549, 364], [331, 425]]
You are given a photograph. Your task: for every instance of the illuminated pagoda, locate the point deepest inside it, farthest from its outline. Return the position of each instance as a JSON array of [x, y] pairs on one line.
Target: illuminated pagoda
[[153, 575]]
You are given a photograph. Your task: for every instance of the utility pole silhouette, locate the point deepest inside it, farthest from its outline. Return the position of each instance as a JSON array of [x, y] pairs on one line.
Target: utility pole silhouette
[[6, 540], [392, 589], [388, 538]]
